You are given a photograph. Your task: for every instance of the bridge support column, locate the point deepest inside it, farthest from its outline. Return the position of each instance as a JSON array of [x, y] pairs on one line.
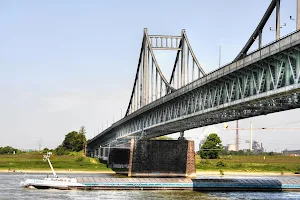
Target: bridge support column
[[154, 158], [162, 158], [118, 159], [181, 137], [103, 154], [95, 153], [99, 152]]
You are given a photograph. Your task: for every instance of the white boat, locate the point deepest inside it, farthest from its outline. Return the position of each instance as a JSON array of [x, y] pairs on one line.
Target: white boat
[[54, 183]]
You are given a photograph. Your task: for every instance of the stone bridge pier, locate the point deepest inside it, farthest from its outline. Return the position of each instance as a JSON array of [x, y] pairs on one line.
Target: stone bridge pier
[[154, 158]]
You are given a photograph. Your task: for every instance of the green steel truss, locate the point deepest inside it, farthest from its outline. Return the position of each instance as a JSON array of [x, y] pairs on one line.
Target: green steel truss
[[264, 81]]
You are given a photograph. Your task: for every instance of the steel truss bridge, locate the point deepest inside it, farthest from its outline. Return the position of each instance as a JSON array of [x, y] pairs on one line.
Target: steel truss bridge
[[264, 81]]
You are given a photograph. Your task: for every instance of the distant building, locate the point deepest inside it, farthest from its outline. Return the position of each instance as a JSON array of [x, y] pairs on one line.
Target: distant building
[[28, 150], [291, 152], [231, 147], [256, 147]]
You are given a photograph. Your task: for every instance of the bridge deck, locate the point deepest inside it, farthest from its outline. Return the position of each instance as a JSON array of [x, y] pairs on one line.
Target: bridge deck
[[265, 81]]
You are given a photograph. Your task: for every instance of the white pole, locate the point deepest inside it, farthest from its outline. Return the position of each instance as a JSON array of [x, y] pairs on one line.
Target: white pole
[[250, 136], [54, 174]]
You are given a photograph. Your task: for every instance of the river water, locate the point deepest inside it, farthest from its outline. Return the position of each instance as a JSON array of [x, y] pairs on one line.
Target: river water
[[10, 189]]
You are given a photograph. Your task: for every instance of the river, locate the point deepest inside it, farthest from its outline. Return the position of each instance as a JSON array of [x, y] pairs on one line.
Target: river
[[10, 189]]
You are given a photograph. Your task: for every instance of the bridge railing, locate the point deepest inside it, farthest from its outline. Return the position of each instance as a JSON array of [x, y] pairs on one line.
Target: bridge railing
[[265, 51]]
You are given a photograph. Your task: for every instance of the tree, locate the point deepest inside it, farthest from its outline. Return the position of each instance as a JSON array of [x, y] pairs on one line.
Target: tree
[[82, 130], [45, 150], [70, 141], [162, 138], [8, 150], [74, 141], [81, 140], [211, 147]]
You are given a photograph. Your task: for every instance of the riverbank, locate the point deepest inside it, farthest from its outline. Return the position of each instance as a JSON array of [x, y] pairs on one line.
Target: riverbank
[[198, 173], [240, 165], [251, 164], [34, 162], [58, 171], [237, 173]]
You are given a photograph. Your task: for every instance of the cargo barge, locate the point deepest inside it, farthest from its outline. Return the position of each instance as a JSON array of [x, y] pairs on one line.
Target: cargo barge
[[201, 184]]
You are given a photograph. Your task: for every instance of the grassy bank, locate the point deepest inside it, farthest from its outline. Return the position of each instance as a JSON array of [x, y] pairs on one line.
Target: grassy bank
[[78, 162], [34, 161], [251, 163]]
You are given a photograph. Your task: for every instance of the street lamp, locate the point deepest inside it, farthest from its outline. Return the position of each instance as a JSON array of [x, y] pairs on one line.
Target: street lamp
[[220, 48]]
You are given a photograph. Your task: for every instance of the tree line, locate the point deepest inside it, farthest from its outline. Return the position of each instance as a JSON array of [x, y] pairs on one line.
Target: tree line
[[74, 141], [8, 150]]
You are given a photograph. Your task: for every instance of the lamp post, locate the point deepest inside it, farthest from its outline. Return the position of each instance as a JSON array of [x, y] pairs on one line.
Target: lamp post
[[220, 50]]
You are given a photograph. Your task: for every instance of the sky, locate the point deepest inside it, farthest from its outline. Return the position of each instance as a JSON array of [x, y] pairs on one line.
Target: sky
[[67, 64]]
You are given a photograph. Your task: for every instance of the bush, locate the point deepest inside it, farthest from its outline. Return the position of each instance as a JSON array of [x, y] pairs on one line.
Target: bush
[[80, 159], [60, 151], [239, 165], [74, 153], [204, 162], [220, 164], [222, 172], [297, 169], [45, 150]]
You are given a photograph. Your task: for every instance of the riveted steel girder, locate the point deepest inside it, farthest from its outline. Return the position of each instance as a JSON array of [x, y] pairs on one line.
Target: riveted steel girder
[[250, 91]]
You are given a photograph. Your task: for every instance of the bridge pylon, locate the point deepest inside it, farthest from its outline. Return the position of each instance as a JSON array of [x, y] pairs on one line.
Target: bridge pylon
[[150, 84]]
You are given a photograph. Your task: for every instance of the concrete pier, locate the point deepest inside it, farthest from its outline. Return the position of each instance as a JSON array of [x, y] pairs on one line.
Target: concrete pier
[[155, 158]]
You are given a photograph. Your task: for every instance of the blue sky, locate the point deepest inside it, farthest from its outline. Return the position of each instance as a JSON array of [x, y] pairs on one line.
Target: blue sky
[[64, 64]]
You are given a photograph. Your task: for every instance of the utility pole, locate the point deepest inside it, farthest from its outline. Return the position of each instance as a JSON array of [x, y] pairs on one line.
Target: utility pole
[[40, 144], [250, 136], [220, 49], [237, 136]]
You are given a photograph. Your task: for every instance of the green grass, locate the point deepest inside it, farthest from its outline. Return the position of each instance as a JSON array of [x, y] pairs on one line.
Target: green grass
[[34, 161], [251, 163], [78, 162]]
